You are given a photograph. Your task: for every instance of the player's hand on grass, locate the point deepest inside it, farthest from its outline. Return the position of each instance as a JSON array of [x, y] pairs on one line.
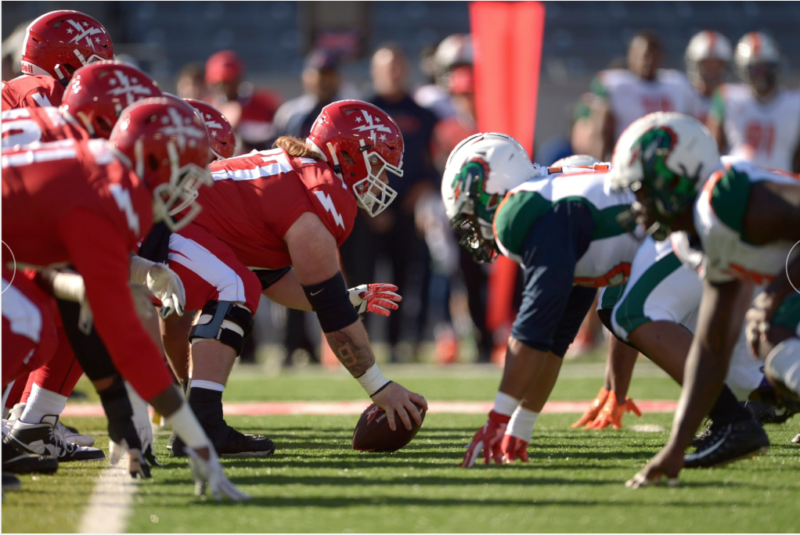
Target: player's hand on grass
[[137, 463], [207, 472], [378, 298], [662, 469], [514, 448], [612, 412], [487, 440], [589, 416], [394, 398]]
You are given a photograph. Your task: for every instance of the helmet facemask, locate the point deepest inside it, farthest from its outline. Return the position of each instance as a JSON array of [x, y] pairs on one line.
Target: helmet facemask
[[474, 219], [372, 193]]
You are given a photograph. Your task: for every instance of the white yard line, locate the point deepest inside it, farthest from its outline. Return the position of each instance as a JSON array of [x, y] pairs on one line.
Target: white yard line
[[111, 502]]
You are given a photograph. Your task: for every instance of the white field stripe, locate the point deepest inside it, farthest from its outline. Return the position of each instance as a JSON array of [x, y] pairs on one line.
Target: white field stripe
[[110, 504]]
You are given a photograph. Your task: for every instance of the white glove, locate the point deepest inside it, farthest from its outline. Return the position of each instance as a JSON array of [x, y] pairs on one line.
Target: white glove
[[137, 464], [163, 282], [141, 421], [209, 472]]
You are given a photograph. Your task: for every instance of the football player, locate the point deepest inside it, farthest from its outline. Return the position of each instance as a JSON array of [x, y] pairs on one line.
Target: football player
[[737, 225], [707, 58], [563, 230], [272, 224], [57, 194], [623, 95], [56, 45], [758, 121], [94, 99]]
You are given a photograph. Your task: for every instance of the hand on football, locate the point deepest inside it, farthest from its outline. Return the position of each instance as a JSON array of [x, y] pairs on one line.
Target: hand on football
[[207, 472], [395, 398], [487, 440], [378, 298]]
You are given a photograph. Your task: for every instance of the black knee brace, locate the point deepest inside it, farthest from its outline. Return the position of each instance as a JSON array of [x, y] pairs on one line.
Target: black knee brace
[[224, 321]]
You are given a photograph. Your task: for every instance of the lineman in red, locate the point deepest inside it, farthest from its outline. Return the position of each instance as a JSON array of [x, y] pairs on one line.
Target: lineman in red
[[56, 45], [56, 195], [284, 213]]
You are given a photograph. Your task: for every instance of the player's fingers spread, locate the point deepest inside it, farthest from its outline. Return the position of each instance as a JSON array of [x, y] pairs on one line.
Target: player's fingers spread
[[419, 400], [391, 296], [380, 311], [412, 409], [383, 287], [390, 419]]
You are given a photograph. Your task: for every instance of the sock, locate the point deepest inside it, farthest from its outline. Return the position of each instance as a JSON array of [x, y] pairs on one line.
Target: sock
[[727, 409], [40, 403], [206, 403]]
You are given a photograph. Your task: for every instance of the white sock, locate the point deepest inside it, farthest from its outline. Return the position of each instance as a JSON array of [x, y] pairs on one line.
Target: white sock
[[521, 424], [40, 403], [208, 385]]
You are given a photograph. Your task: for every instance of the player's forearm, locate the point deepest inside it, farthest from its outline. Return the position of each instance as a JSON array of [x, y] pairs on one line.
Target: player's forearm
[[621, 361], [351, 346], [289, 293]]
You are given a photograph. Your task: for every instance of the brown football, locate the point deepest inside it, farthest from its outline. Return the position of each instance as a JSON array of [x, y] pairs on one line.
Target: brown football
[[372, 431]]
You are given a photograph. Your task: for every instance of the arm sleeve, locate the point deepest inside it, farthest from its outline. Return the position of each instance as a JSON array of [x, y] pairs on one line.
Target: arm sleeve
[[99, 254]]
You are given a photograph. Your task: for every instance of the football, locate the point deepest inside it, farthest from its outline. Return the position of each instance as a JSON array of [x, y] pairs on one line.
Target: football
[[372, 431]]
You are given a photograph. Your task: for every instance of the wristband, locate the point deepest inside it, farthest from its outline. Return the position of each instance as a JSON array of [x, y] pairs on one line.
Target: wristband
[[373, 381], [521, 424], [185, 424], [505, 404]]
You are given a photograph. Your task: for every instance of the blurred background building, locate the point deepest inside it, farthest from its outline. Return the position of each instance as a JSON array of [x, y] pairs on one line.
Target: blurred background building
[[286, 60]]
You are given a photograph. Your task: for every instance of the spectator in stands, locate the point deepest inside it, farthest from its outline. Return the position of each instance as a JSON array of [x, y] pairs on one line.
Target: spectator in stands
[[453, 52], [250, 110], [191, 82], [624, 95], [393, 233]]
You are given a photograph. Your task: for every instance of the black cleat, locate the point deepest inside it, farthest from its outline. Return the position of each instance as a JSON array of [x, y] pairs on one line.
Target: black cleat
[[17, 462], [700, 437], [229, 443], [11, 482], [41, 439], [728, 443], [768, 414]]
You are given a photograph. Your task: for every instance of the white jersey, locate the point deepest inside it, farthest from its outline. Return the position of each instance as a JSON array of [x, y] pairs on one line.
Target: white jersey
[[718, 218], [608, 259], [766, 134], [631, 97]]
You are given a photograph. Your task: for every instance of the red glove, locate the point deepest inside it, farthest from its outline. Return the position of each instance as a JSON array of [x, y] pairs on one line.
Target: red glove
[[378, 298], [487, 440], [514, 447]]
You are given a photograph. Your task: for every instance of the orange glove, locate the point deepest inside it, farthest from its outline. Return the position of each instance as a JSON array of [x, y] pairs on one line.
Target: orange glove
[[589, 416], [612, 413]]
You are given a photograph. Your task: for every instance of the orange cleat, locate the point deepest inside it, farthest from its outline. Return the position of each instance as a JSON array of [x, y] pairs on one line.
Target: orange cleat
[[589, 416], [612, 413]]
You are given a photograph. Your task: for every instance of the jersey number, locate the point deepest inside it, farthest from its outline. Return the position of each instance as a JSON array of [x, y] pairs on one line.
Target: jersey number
[[20, 132], [654, 104]]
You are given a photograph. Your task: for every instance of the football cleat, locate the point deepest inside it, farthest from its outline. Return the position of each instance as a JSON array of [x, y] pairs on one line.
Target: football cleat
[[728, 443], [17, 462], [42, 439], [767, 413], [612, 413], [229, 443], [70, 434], [11, 482], [796, 440], [589, 416]]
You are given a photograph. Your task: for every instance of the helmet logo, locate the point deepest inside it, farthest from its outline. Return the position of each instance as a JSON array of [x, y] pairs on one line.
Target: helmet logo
[[84, 32], [211, 124], [372, 127], [181, 128], [653, 148], [122, 86]]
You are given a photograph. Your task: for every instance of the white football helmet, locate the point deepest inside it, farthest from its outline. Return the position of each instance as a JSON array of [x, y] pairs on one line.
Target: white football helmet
[[479, 173], [576, 160], [756, 49], [707, 44], [664, 158]]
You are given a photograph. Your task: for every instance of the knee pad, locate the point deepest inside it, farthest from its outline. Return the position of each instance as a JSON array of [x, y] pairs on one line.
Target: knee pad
[[225, 322], [783, 367]]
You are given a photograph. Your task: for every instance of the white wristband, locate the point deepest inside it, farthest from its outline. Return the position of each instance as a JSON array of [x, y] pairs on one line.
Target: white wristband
[[69, 286], [185, 424], [521, 424], [372, 380], [505, 404]]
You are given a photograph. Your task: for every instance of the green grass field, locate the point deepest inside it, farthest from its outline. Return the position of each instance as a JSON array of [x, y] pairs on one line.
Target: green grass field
[[316, 483]]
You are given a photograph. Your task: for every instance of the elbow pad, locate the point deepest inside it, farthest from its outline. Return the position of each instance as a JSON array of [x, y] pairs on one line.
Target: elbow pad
[[331, 301]]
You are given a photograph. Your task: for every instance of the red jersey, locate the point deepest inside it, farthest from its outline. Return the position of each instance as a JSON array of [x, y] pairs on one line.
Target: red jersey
[[23, 126], [257, 197], [76, 202], [32, 91]]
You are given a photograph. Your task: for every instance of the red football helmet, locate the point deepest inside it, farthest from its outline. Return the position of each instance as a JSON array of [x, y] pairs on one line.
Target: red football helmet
[[60, 42], [354, 137], [167, 145], [99, 92], [222, 140]]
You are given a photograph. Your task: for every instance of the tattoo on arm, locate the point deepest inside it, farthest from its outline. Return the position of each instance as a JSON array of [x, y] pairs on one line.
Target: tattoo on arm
[[356, 359]]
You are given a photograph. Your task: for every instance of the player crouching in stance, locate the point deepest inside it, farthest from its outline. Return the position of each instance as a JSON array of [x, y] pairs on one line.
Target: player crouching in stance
[[736, 224], [272, 224], [562, 229], [55, 195]]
